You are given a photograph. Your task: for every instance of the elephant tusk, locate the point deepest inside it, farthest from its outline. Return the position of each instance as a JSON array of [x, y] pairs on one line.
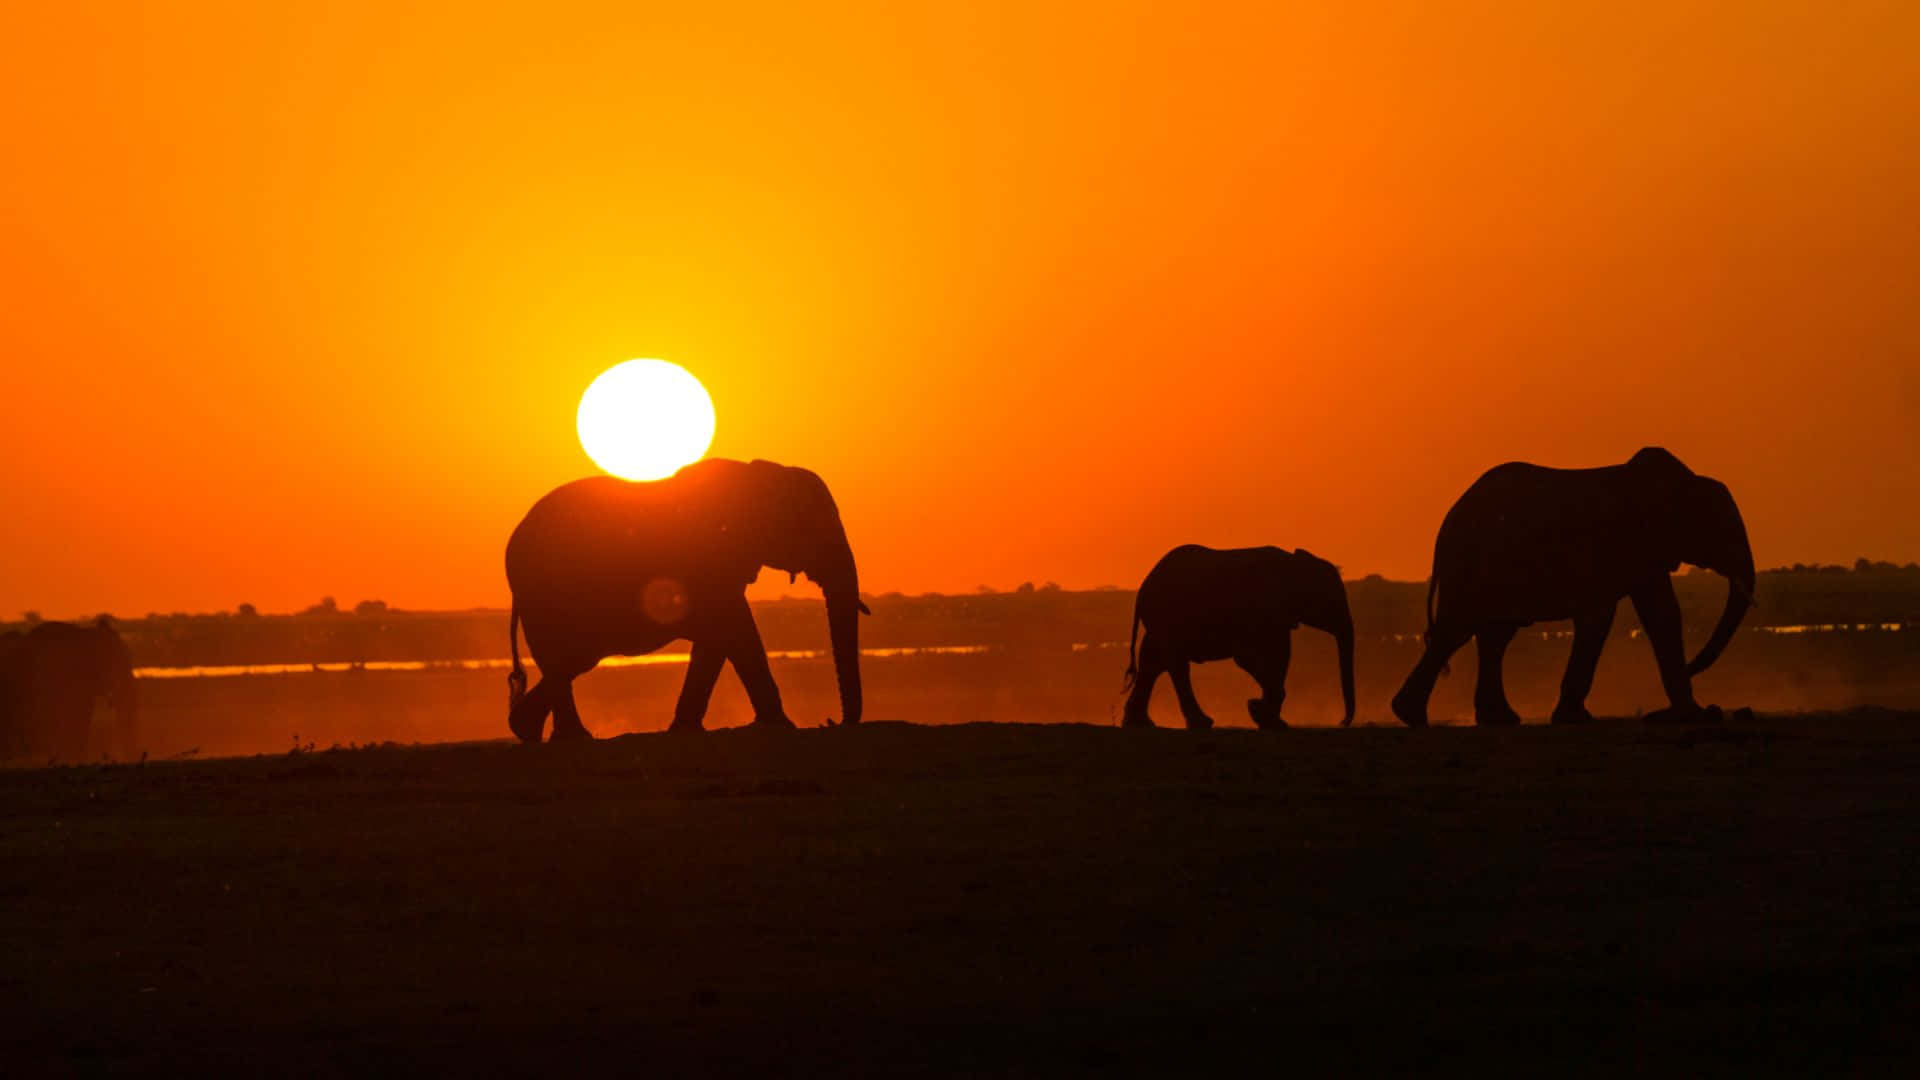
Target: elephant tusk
[[864, 609]]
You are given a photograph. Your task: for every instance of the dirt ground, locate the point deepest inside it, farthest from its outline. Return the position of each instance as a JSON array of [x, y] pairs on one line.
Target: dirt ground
[[219, 717], [981, 899]]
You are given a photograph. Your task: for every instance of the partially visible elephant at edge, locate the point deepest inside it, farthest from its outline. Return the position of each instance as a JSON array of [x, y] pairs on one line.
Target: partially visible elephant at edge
[[1200, 604], [1527, 544], [51, 679], [603, 567]]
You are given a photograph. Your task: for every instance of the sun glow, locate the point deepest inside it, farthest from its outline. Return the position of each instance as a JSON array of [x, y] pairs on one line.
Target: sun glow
[[643, 419]]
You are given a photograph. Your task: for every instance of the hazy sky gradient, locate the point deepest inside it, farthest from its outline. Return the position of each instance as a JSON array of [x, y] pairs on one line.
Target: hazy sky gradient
[[301, 303]]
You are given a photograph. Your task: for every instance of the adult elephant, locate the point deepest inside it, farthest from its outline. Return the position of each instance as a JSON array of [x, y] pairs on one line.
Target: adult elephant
[[1528, 543], [604, 567], [1200, 604], [51, 679]]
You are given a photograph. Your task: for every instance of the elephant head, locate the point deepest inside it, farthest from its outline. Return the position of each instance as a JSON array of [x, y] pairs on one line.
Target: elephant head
[[1714, 536], [1323, 606], [1704, 529], [120, 687], [784, 517]]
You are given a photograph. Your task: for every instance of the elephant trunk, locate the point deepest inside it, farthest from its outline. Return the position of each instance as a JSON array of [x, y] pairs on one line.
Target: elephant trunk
[[1343, 639], [840, 584], [1740, 585], [843, 625]]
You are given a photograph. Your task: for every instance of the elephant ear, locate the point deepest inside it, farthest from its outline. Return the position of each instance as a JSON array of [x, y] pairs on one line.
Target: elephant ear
[[1661, 481], [1303, 553], [707, 531], [1659, 493], [112, 645], [752, 513]]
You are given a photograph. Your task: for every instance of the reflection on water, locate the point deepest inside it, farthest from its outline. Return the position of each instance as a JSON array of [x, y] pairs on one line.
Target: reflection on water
[[1822, 628], [1825, 628], [214, 671], [223, 670]]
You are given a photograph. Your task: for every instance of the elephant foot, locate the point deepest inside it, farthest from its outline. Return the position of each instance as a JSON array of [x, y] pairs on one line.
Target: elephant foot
[[1136, 720], [686, 726], [1686, 714], [524, 729], [1500, 715], [772, 722], [1264, 714], [1410, 711], [1571, 714], [1199, 722], [574, 733]]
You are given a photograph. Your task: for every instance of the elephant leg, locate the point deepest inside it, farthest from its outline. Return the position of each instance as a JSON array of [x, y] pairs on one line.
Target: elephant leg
[[703, 671], [528, 720], [1443, 640], [1590, 629], [552, 694], [1659, 612], [749, 659], [1151, 666], [1490, 707], [67, 734], [1179, 671], [1268, 667], [566, 717], [80, 737]]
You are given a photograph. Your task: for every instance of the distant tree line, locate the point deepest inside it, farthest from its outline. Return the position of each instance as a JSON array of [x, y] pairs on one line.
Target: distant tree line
[[1030, 617]]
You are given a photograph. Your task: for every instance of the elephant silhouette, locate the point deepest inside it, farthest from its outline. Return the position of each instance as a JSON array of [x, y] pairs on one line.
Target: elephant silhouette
[[1528, 543], [51, 679], [603, 567], [1200, 604]]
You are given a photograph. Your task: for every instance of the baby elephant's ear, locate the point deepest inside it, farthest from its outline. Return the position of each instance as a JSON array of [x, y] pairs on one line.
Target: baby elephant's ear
[[1661, 481]]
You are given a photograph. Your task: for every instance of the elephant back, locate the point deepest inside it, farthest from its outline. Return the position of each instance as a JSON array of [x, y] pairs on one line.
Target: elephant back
[[603, 537]]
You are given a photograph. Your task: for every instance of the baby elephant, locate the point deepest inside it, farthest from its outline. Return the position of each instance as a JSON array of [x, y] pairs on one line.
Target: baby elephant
[[1199, 604]]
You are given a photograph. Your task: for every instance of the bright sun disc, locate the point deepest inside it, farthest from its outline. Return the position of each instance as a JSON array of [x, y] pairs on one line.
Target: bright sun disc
[[644, 419]]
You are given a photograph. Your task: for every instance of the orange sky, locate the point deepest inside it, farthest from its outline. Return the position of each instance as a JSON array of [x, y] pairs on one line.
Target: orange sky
[[301, 304]]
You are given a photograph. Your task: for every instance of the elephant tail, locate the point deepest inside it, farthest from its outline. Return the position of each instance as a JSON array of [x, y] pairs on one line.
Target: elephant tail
[[517, 678], [1133, 640]]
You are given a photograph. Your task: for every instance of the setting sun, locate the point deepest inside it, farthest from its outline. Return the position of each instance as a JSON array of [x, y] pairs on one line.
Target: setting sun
[[644, 419]]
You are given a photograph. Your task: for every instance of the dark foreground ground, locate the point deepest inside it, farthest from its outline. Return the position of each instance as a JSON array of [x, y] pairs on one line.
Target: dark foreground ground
[[981, 899]]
